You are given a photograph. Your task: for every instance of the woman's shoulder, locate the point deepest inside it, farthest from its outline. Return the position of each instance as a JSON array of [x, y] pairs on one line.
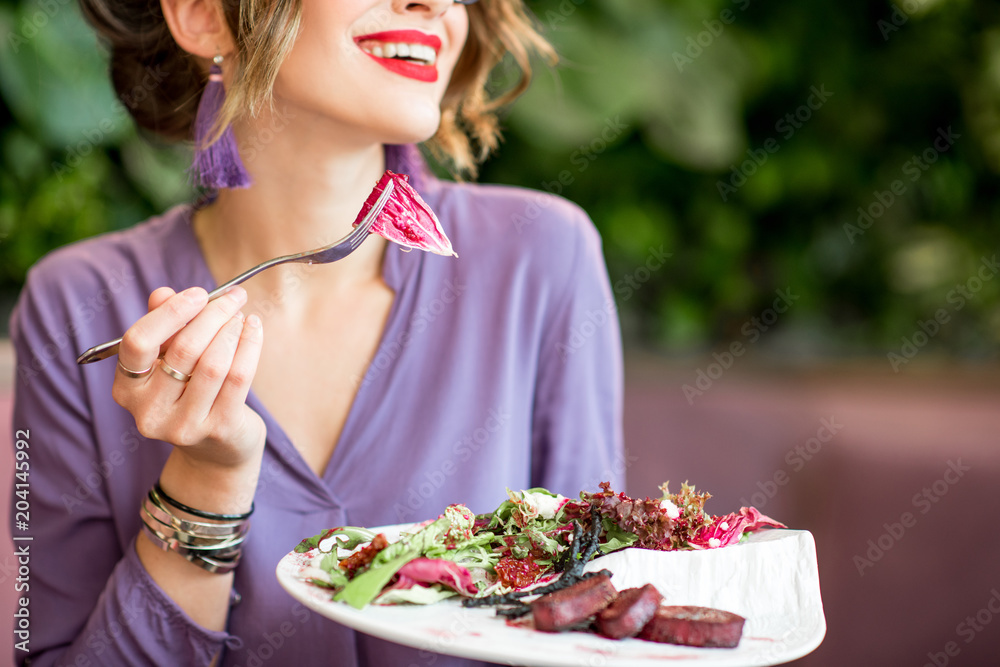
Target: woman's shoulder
[[491, 219], [114, 257], [103, 281], [507, 208]]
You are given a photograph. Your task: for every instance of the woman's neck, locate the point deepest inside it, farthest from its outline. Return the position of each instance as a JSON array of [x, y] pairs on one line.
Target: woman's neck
[[307, 191]]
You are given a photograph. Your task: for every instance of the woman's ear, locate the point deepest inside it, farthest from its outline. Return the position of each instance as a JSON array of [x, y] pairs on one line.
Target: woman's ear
[[198, 26]]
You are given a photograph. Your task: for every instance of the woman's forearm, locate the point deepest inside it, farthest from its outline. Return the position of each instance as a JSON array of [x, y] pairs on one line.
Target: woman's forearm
[[203, 595]]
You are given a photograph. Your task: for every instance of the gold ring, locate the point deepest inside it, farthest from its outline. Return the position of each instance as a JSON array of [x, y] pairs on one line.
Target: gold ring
[[135, 375], [173, 372]]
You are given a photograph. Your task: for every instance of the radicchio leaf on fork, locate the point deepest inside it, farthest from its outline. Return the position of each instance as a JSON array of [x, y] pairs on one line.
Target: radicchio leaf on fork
[[406, 218]]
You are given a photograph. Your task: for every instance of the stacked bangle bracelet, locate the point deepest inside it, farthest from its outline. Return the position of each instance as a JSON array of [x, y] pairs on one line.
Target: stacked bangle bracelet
[[203, 514], [214, 545]]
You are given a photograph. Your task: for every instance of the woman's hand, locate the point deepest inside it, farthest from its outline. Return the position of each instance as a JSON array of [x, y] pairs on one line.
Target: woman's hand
[[206, 418], [218, 440]]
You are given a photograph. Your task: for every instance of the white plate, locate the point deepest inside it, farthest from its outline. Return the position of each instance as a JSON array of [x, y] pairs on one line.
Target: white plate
[[771, 579]]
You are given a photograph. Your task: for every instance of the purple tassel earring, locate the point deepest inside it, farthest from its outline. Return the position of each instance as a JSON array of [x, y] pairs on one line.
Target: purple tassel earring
[[217, 165]]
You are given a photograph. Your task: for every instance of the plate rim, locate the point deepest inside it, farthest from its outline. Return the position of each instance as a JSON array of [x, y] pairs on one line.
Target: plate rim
[[371, 620]]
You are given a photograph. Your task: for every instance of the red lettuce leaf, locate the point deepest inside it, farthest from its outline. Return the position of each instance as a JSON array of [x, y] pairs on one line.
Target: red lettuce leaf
[[427, 571], [406, 218]]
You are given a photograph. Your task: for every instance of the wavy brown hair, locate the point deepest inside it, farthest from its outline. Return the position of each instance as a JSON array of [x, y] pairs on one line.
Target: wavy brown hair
[[141, 44]]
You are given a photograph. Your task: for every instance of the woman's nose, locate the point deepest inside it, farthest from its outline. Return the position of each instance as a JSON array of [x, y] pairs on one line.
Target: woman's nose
[[427, 7]]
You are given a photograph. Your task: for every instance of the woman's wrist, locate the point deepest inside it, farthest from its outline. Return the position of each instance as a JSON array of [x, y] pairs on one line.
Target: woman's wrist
[[214, 544], [204, 517], [209, 487]]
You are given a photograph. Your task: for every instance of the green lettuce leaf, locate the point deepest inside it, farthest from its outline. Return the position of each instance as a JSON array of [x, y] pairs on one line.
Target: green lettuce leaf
[[453, 527]]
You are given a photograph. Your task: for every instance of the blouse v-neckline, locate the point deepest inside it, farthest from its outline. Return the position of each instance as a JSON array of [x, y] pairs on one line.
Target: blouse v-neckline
[[396, 266]]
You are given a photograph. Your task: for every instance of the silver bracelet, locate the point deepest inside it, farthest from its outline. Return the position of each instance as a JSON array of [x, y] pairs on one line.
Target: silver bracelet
[[214, 547], [176, 540], [192, 535], [216, 564], [185, 540], [154, 503]]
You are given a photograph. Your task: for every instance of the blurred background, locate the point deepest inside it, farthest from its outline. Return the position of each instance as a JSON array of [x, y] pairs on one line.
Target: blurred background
[[800, 218]]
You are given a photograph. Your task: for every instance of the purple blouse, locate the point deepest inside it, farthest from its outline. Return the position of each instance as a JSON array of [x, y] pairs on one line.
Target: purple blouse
[[501, 368]]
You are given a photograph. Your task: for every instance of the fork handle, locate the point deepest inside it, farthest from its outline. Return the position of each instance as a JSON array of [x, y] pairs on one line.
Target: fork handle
[[105, 350], [98, 352]]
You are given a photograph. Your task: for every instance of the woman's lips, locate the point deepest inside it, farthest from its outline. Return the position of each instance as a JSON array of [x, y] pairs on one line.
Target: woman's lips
[[412, 70], [407, 36], [383, 47]]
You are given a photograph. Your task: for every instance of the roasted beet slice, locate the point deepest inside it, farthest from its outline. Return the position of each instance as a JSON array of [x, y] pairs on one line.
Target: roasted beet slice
[[564, 609], [629, 612], [694, 626]]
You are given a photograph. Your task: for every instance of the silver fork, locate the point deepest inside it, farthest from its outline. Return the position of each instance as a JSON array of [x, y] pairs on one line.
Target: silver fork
[[328, 253]]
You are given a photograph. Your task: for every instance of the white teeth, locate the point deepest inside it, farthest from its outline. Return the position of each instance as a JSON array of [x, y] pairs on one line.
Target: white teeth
[[420, 52], [423, 52]]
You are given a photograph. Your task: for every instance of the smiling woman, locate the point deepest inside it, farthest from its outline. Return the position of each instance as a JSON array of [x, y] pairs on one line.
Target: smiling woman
[[383, 376], [141, 42]]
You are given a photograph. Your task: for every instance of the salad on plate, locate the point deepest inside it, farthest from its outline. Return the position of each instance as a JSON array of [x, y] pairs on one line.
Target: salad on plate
[[528, 545]]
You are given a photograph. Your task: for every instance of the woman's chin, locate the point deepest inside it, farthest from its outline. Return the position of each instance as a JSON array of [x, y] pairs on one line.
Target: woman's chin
[[415, 132]]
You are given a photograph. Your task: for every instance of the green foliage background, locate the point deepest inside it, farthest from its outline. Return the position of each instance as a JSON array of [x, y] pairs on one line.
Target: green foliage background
[[656, 104]]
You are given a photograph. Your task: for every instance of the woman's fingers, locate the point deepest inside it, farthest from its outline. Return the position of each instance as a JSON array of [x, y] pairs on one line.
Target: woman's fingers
[[141, 343], [216, 395], [213, 406], [232, 419], [140, 346], [158, 297], [190, 343], [244, 367], [197, 397], [211, 371]]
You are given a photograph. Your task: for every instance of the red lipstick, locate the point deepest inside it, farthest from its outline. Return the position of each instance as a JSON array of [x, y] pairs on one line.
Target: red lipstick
[[407, 68]]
